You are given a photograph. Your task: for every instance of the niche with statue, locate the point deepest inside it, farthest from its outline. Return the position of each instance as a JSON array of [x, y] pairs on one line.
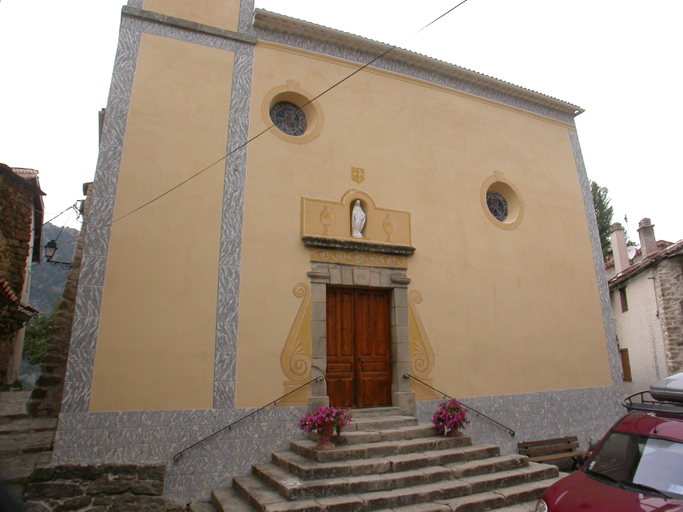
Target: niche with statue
[[355, 223]]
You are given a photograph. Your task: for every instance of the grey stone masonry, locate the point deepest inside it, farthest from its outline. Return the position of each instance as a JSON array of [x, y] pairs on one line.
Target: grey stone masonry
[[23, 441], [669, 283], [585, 413], [99, 487]]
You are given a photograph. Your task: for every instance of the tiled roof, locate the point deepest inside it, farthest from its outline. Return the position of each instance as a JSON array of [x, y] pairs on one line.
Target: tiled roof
[[8, 296], [660, 243], [25, 173], [631, 272]]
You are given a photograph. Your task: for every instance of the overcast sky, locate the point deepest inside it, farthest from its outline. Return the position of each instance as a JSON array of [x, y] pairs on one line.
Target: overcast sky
[[620, 60]]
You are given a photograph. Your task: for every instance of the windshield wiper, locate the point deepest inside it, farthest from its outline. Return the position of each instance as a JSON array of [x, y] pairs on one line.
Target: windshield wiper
[[606, 477], [646, 488]]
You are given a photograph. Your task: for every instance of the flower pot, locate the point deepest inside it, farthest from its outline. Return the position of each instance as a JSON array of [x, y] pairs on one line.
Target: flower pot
[[325, 434], [454, 433]]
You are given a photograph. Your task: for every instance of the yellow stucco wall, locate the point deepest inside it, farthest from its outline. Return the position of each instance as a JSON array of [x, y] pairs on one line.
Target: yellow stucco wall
[[214, 13], [157, 330], [506, 311]]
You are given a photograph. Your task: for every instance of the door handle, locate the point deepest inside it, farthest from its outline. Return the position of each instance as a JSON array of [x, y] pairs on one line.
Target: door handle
[[361, 360]]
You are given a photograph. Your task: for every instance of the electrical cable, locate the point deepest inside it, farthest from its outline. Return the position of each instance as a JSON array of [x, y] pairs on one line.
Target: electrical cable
[[391, 48], [63, 226], [61, 213]]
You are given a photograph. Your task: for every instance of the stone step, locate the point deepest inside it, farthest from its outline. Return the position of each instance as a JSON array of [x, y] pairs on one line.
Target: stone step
[[28, 424], [420, 507], [261, 498], [207, 507], [371, 423], [458, 495], [17, 468], [308, 469], [529, 506], [376, 436], [293, 488], [502, 497], [27, 442], [306, 447], [227, 500], [375, 412], [532, 473], [487, 466]]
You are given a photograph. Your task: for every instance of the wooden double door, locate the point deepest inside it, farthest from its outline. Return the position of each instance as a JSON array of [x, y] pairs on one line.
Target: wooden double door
[[358, 347]]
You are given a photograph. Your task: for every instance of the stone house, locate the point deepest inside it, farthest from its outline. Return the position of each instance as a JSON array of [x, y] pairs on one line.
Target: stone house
[[250, 240], [21, 211], [646, 294]]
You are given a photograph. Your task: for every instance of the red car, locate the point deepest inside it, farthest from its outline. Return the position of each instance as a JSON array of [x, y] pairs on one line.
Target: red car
[[638, 465]]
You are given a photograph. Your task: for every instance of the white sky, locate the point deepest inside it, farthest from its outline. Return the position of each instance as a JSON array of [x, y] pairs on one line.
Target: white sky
[[618, 59]]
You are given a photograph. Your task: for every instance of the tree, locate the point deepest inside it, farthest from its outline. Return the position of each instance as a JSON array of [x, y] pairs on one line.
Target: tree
[[603, 213], [37, 337]]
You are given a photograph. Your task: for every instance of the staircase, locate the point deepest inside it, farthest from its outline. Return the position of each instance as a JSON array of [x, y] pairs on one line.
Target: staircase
[[24, 441], [386, 461]]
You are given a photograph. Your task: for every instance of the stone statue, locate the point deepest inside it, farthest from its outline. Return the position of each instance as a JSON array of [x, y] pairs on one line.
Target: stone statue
[[357, 220]]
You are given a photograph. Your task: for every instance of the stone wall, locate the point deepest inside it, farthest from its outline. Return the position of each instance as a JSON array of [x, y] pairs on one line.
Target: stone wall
[[16, 212], [46, 398], [669, 280], [111, 487]]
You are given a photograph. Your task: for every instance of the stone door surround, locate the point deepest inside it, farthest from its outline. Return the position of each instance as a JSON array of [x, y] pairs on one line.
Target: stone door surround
[[324, 274]]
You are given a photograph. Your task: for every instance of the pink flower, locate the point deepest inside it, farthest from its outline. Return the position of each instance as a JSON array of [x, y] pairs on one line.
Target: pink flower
[[450, 415], [315, 421]]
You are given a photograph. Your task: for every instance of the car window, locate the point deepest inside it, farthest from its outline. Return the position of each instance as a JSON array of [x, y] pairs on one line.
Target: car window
[[642, 461], [661, 466]]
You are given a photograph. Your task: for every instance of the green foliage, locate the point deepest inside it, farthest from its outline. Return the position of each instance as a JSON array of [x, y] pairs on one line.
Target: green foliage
[[37, 337], [603, 213]]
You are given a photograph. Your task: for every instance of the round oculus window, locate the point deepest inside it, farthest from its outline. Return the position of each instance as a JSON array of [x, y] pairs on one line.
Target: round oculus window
[[288, 118], [498, 206]]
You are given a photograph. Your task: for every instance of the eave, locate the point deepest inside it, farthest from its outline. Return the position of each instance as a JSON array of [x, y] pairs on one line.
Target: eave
[[270, 21], [671, 251]]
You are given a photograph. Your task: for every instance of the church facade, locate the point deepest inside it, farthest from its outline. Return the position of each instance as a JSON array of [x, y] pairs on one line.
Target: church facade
[[404, 232]]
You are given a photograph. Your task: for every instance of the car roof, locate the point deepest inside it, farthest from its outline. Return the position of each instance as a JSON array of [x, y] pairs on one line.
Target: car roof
[[653, 424]]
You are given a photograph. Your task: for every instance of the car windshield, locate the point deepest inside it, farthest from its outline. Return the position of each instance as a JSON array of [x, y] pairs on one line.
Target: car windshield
[[641, 463]]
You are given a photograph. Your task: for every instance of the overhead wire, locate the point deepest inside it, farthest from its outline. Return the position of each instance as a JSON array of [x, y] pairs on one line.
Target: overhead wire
[[61, 213], [249, 141]]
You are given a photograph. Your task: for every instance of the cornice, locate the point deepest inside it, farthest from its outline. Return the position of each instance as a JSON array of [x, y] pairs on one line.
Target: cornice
[[317, 242], [268, 24], [185, 24]]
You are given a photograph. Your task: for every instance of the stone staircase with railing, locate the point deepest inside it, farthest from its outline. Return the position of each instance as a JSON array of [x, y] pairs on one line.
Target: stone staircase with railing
[[386, 461]]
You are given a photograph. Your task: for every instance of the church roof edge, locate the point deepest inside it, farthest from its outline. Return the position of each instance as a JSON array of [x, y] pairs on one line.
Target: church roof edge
[[280, 23]]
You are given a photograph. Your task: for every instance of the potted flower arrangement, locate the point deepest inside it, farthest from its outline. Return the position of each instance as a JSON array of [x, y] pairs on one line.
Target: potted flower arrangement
[[326, 422], [450, 418]]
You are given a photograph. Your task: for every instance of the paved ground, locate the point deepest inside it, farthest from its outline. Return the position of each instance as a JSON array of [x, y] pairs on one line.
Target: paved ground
[[23, 439]]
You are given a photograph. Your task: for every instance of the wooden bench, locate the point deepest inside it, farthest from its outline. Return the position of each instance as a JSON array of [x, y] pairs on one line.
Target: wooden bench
[[550, 450]]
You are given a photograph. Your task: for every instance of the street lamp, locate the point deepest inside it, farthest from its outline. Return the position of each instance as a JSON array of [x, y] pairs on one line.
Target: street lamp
[[50, 250]]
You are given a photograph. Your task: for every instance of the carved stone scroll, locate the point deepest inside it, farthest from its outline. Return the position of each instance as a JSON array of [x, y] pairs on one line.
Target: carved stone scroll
[[296, 354], [421, 353]]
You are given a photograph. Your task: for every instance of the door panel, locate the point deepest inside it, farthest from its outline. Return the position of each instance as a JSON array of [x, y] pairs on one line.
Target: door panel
[[340, 358], [358, 347], [373, 348]]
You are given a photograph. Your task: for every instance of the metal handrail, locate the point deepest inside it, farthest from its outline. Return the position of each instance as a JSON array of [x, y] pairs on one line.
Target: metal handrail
[[510, 431], [229, 426]]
